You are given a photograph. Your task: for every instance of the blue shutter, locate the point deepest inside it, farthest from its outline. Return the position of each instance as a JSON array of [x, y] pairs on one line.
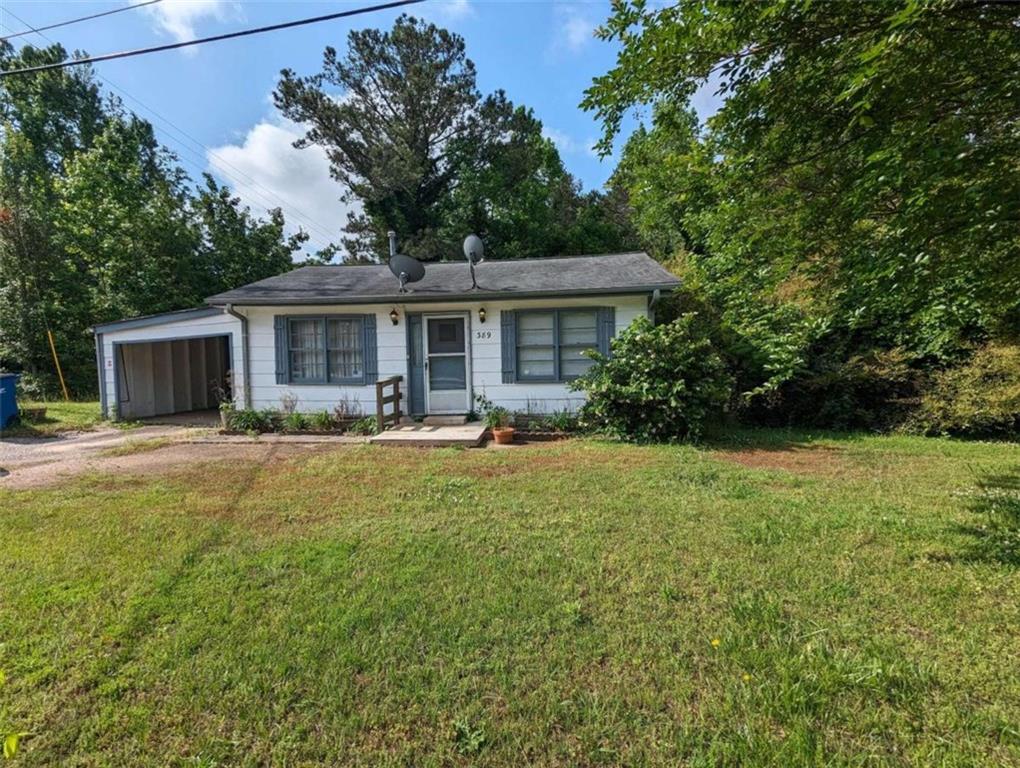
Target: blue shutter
[[280, 329], [508, 344], [371, 351], [606, 327]]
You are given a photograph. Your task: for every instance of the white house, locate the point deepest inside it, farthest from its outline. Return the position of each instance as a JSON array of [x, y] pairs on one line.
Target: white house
[[325, 335]]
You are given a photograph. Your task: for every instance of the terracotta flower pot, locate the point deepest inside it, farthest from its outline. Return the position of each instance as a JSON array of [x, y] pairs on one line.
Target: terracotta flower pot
[[503, 435]]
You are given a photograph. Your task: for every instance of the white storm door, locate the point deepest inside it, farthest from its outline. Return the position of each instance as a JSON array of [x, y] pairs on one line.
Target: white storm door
[[446, 364]]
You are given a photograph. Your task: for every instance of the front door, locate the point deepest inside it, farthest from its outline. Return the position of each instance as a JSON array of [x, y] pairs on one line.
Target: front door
[[446, 364]]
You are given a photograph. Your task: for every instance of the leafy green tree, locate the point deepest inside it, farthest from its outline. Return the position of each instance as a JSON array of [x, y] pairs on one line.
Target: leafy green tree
[[406, 98], [409, 135], [98, 222], [857, 179], [44, 119], [237, 248], [123, 220]]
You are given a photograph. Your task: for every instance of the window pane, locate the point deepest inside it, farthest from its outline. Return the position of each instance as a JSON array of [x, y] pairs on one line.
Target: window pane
[[446, 335], [535, 328], [304, 334], [535, 362], [346, 356], [573, 362], [307, 355], [578, 328], [447, 373]]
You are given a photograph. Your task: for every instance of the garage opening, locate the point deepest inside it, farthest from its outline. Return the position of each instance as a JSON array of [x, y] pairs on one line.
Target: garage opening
[[179, 376]]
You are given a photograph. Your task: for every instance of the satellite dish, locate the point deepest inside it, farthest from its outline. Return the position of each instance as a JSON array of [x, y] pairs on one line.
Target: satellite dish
[[474, 252], [407, 269], [474, 249]]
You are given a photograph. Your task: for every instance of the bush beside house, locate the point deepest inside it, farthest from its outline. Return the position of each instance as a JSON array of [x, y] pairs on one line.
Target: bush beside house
[[659, 383]]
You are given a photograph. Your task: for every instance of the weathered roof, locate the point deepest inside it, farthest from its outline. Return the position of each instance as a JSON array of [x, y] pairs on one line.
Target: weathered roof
[[157, 319], [444, 281]]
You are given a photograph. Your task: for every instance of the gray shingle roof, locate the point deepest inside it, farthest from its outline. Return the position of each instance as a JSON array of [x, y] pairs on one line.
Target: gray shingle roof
[[444, 281]]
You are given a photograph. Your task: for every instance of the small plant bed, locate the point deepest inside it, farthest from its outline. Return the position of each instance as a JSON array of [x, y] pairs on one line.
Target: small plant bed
[[528, 435], [345, 418], [525, 426]]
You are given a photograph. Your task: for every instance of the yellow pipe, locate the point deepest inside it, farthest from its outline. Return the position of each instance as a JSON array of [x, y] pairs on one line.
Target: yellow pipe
[[56, 361]]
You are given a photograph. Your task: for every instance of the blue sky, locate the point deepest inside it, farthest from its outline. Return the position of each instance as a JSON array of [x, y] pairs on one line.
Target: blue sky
[[211, 104]]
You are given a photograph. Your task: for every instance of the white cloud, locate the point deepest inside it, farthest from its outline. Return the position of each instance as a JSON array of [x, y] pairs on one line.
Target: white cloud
[[266, 171], [577, 31], [567, 144], [573, 31], [178, 18]]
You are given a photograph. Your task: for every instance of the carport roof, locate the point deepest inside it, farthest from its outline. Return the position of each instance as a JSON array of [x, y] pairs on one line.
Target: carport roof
[[444, 281], [163, 317]]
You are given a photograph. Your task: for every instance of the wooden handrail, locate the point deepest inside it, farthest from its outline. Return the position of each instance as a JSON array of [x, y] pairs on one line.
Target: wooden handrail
[[382, 400]]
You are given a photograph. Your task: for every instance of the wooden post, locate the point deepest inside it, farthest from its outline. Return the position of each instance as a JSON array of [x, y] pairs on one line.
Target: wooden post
[[380, 417], [56, 361]]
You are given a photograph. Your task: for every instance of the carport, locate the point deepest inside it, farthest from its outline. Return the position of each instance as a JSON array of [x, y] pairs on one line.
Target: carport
[[173, 363]]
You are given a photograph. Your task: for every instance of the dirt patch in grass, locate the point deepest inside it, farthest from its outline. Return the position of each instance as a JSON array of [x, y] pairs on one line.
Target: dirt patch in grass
[[136, 446], [801, 460], [142, 458]]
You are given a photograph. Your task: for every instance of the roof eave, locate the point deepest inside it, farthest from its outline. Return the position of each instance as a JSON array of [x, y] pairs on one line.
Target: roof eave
[[413, 298]]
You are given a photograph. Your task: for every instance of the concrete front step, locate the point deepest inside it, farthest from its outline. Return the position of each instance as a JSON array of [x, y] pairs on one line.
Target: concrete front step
[[428, 436]]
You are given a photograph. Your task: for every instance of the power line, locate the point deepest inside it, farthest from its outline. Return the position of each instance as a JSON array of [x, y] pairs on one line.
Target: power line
[[79, 19], [213, 39], [324, 234]]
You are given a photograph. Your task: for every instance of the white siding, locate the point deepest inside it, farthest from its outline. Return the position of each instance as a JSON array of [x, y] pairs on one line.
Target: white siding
[[213, 325], [484, 348]]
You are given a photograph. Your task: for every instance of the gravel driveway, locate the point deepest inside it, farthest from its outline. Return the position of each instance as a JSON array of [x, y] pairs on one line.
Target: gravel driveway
[[33, 462]]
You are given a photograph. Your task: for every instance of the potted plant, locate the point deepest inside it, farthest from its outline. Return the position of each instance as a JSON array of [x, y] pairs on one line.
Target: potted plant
[[497, 419]]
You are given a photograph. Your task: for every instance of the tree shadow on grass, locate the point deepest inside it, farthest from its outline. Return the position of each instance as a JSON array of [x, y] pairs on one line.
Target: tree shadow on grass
[[773, 439], [996, 536], [22, 427]]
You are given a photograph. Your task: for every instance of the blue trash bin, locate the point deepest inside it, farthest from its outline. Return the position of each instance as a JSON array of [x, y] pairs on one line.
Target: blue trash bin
[[8, 399]]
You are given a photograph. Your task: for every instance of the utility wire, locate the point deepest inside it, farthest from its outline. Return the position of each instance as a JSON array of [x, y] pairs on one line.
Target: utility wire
[[213, 39], [79, 19], [269, 200]]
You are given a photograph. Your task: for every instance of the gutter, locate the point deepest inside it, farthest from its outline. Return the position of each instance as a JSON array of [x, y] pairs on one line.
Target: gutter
[[245, 350], [411, 297]]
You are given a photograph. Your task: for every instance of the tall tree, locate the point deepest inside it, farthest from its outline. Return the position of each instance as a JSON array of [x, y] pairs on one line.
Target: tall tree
[[409, 136], [44, 119], [98, 222], [237, 248], [864, 156], [403, 99]]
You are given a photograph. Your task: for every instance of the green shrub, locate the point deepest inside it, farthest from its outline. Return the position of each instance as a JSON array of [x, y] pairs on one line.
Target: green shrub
[[874, 389], [250, 420], [295, 422], [660, 383], [563, 421], [364, 426], [980, 398], [321, 421]]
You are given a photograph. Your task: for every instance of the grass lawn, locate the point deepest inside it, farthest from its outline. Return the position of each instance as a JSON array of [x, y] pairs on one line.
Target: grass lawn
[[60, 417], [767, 599]]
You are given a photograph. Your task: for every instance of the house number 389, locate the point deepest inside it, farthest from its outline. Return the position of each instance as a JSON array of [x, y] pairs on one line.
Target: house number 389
[[483, 334]]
